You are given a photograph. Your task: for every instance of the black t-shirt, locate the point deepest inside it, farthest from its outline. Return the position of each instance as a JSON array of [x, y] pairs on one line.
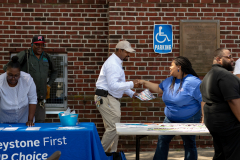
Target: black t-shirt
[[218, 86]]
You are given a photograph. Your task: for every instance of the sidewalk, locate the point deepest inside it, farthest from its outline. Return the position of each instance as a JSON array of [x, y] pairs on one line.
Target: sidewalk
[[203, 154]]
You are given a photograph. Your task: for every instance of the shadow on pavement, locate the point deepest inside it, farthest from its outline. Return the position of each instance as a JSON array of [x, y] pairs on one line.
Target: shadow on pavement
[[203, 154]]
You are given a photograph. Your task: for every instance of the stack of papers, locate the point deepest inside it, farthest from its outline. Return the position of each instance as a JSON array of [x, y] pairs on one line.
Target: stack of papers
[[145, 95]]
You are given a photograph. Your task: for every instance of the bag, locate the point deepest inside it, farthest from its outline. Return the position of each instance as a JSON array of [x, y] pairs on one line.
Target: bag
[[116, 156]]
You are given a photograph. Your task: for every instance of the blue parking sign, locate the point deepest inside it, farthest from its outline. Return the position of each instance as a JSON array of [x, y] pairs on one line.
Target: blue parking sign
[[162, 38]]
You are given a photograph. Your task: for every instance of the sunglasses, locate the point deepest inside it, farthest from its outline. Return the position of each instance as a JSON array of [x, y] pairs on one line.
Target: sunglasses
[[228, 57]]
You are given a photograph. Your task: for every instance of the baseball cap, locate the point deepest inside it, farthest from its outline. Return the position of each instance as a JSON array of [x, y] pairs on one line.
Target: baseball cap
[[38, 39], [125, 45]]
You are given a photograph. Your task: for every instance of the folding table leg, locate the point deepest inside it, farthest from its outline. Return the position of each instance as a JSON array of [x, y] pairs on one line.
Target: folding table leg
[[138, 137]]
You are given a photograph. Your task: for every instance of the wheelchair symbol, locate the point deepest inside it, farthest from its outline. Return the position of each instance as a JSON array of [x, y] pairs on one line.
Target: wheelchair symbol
[[161, 34]]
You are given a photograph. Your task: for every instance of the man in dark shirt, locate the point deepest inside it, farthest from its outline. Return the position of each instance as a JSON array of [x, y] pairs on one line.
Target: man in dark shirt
[[221, 93], [38, 63]]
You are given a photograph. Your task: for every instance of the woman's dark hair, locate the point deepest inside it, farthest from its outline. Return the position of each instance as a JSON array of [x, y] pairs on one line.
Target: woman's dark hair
[[14, 63], [186, 68]]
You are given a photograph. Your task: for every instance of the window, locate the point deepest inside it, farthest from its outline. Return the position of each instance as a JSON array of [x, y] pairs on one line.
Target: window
[[58, 93]]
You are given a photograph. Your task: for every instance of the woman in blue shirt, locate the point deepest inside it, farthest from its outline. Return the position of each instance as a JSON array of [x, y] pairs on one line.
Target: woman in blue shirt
[[182, 97]]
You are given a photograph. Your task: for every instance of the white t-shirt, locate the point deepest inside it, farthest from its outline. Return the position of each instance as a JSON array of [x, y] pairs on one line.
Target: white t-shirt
[[14, 101], [237, 67]]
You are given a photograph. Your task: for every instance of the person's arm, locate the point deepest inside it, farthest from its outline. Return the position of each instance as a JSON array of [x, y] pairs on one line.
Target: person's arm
[[229, 87], [32, 109], [235, 107], [129, 92], [53, 73], [113, 75], [202, 105], [152, 86], [32, 100]]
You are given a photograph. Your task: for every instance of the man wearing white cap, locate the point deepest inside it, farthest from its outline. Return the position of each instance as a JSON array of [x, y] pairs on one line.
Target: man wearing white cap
[[111, 85]]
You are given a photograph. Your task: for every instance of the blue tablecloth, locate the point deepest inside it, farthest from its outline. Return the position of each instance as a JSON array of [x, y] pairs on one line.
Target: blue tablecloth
[[74, 144]]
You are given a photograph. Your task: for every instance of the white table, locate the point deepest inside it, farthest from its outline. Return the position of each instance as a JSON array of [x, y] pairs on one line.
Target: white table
[[144, 129]]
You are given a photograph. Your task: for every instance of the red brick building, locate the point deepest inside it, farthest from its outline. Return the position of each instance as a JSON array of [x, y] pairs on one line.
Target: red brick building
[[86, 31]]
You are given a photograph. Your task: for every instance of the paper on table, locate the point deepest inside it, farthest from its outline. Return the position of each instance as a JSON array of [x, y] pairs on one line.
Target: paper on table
[[70, 128], [180, 127], [33, 128], [10, 129], [133, 125], [145, 95]]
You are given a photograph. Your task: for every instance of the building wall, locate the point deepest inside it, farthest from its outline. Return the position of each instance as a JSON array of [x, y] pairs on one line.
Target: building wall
[[88, 31]]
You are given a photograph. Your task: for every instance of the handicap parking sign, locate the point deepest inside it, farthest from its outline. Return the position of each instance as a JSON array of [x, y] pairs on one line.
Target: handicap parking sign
[[162, 38]]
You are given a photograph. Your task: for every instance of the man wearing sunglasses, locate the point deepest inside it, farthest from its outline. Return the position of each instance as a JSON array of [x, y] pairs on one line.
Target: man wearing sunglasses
[[221, 93], [38, 63]]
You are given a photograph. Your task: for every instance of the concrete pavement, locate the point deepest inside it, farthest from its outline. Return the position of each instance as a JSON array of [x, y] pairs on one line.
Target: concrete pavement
[[203, 154]]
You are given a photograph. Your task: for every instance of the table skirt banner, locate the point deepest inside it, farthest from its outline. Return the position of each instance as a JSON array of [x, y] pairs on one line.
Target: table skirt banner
[[81, 142]]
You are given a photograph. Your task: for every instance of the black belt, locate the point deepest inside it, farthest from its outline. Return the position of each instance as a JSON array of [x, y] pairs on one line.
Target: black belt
[[101, 92], [114, 97]]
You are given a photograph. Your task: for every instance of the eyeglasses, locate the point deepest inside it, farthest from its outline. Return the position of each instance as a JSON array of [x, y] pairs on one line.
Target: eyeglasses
[[13, 76], [39, 45], [228, 57]]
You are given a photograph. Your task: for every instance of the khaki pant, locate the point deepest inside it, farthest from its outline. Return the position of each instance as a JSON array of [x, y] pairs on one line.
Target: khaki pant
[[111, 114]]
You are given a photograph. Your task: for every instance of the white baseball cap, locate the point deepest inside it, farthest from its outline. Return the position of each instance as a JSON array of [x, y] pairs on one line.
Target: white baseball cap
[[125, 45]]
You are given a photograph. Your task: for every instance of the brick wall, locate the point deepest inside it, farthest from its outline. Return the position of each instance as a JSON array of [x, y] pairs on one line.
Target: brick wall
[[88, 31]]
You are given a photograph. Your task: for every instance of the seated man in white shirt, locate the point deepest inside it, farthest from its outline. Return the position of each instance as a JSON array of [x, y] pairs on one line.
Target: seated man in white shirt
[[111, 85], [237, 68], [18, 96]]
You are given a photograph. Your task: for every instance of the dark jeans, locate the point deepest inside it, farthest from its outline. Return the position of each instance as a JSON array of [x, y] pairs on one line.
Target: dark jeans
[[189, 142], [40, 114], [226, 145]]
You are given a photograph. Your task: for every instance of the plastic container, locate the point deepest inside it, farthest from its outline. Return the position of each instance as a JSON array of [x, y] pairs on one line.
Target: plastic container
[[68, 120]]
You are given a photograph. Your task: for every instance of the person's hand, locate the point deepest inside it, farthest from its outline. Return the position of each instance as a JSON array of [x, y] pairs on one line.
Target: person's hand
[[136, 83], [30, 123], [141, 81], [134, 95], [202, 120]]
